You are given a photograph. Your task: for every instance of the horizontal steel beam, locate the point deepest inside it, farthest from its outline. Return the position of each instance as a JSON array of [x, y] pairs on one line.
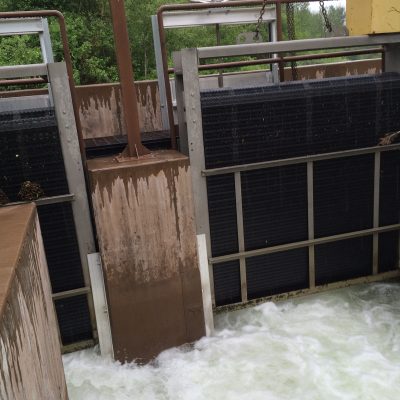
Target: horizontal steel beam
[[305, 292], [23, 71], [71, 293], [65, 198], [19, 26], [302, 244], [55, 199], [73, 347], [298, 160], [296, 45], [225, 16]]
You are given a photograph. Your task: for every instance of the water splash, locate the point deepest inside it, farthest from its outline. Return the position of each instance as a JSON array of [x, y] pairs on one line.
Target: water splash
[[338, 345]]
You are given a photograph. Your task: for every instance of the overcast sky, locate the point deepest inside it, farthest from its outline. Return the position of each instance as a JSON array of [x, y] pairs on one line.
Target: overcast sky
[[315, 5]]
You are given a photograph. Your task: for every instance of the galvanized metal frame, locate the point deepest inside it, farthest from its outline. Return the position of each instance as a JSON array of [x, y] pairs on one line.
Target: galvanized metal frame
[[28, 26], [194, 124], [296, 46], [58, 77], [187, 64], [202, 17]]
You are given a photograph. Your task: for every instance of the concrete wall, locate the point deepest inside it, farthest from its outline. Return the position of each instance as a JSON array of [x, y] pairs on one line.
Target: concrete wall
[[145, 223], [30, 359]]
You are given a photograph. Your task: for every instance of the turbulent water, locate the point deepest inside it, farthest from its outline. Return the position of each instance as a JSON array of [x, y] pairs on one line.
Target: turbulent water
[[338, 345]]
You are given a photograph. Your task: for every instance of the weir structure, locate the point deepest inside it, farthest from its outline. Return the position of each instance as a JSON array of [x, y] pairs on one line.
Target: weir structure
[[286, 188]]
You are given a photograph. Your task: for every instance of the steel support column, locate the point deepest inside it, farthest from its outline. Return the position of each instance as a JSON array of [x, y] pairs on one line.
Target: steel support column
[[196, 147], [128, 89]]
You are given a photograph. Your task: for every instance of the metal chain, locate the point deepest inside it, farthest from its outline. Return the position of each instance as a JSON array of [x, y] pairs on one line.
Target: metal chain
[[328, 24], [291, 28], [260, 20]]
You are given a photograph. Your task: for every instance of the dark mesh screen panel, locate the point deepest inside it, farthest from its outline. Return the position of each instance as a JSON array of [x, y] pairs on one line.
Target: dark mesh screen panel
[[277, 273], [343, 260], [275, 206], [31, 150], [293, 119], [73, 319], [343, 195], [227, 283], [222, 211], [389, 210], [62, 251]]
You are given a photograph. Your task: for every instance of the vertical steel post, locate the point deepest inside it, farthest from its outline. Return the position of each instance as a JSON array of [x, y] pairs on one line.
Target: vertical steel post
[[128, 89], [196, 148], [311, 233], [240, 230], [377, 184]]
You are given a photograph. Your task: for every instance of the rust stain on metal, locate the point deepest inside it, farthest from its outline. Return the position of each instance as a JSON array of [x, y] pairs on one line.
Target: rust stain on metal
[[145, 222], [101, 109], [321, 71], [29, 344]]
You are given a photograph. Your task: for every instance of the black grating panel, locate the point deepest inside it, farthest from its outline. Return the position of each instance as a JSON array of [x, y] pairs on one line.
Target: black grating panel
[[275, 206], [347, 259], [73, 319], [31, 151], [389, 251], [298, 118], [294, 119], [343, 195], [227, 283], [222, 211], [277, 273], [389, 211], [62, 251]]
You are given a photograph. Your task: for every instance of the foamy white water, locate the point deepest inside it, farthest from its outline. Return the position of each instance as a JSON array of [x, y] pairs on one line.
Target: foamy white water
[[338, 345]]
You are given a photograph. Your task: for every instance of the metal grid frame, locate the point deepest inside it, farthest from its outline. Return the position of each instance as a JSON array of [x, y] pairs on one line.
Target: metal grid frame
[[187, 76]]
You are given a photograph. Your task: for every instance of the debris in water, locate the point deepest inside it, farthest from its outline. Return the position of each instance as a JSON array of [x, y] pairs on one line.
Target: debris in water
[[3, 198], [389, 138], [30, 191]]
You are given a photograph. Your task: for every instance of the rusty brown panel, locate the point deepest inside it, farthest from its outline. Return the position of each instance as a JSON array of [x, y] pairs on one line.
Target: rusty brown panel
[[321, 71], [29, 340], [149, 106], [144, 216], [101, 109]]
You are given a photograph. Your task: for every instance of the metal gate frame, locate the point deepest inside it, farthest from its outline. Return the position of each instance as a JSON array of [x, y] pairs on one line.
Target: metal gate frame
[[189, 115], [60, 97], [205, 17]]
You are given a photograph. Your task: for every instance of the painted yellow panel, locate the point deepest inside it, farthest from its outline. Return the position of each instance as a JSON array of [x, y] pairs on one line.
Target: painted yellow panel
[[366, 17]]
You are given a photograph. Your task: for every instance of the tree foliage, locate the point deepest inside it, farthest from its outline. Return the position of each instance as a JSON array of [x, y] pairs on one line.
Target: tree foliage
[[92, 44]]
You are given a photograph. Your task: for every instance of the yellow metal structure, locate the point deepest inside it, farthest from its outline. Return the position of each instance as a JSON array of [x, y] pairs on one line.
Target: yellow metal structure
[[365, 17]]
